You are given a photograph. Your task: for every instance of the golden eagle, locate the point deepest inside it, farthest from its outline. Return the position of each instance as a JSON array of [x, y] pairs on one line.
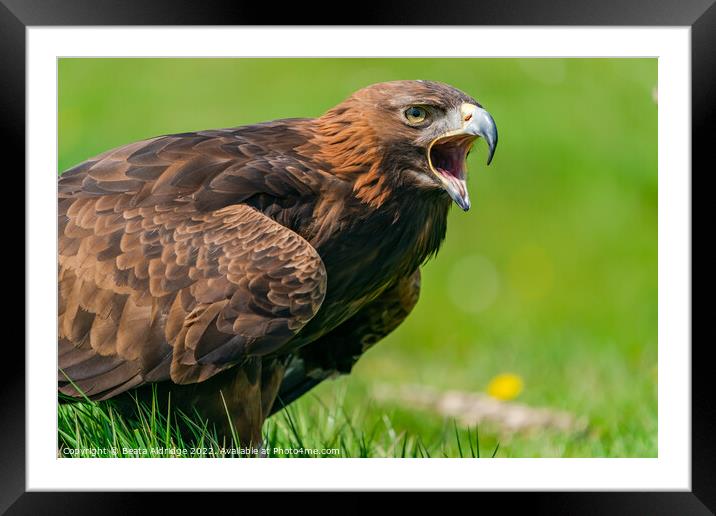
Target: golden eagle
[[235, 269]]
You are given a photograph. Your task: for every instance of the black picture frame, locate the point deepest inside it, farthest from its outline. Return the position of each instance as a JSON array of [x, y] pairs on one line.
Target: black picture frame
[[700, 15]]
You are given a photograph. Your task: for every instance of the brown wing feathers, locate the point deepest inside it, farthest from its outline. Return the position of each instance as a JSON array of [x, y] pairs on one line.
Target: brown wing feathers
[[337, 351], [153, 287]]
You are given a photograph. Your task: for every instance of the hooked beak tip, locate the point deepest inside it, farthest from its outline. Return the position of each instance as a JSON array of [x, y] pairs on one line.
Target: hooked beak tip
[[490, 156], [483, 125]]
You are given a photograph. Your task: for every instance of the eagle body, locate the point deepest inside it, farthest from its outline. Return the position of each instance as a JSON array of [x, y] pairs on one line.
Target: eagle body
[[232, 270]]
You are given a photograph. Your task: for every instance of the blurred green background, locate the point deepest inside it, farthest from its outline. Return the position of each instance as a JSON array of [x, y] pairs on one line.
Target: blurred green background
[[551, 276]]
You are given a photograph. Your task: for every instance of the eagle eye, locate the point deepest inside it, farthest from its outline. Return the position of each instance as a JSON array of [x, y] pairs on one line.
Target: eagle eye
[[416, 114]]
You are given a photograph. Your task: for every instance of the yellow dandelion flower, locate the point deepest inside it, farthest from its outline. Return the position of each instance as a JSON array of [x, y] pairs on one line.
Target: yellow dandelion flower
[[505, 386]]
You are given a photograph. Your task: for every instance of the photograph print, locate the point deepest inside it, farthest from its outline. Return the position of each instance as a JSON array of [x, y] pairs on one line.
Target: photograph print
[[336, 258]]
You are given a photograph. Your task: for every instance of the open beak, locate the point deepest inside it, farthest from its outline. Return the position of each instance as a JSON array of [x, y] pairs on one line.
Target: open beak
[[447, 153]]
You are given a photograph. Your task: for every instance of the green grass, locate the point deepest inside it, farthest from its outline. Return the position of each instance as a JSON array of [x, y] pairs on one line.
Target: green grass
[[552, 275], [309, 429]]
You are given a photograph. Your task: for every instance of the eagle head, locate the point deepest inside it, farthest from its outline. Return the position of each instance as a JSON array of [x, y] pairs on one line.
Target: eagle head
[[417, 133]]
